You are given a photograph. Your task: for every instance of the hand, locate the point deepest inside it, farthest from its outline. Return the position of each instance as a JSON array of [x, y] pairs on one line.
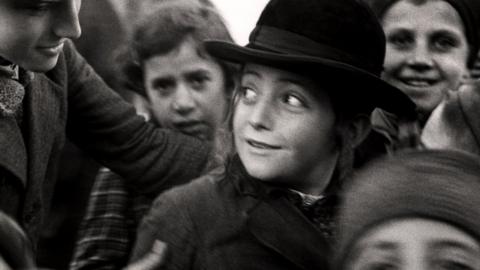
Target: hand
[[152, 260]]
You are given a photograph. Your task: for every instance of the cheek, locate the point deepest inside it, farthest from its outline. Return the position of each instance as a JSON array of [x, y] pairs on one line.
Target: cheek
[[454, 68], [160, 108], [393, 58], [216, 99], [238, 117], [313, 135], [14, 47]]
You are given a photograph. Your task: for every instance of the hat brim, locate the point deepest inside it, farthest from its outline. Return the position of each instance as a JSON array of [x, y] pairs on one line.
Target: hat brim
[[363, 86]]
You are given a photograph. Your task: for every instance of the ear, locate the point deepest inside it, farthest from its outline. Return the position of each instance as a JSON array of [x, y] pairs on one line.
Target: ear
[[142, 106], [359, 128]]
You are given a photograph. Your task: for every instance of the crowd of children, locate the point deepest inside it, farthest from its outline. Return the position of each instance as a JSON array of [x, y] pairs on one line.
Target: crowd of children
[[344, 135]]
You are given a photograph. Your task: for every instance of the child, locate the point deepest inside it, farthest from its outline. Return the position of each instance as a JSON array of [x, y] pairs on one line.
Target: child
[[47, 90], [303, 104], [187, 90], [417, 210], [431, 44]]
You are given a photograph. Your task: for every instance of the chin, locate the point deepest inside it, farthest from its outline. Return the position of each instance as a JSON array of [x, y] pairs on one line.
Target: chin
[[43, 65], [262, 172]]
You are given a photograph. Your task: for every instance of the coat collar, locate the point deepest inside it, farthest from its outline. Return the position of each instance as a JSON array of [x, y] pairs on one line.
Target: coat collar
[[278, 224]]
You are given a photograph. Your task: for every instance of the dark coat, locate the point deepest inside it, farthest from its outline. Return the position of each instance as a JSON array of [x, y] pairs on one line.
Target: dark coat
[[231, 222], [71, 99]]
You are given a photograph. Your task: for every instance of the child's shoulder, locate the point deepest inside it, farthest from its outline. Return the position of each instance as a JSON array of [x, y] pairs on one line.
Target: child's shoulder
[[204, 190]]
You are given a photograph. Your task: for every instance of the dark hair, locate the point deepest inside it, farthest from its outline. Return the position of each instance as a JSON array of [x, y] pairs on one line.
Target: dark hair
[[345, 112], [163, 29]]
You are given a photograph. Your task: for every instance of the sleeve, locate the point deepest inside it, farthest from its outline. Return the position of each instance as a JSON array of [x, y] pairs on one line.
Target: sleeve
[[106, 233], [107, 127], [169, 222]]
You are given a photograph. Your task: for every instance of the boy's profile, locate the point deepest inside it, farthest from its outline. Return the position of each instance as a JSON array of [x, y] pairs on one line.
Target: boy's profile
[[63, 96]]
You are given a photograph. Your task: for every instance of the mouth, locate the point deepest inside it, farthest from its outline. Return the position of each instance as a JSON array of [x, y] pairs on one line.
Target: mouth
[[191, 127], [262, 145], [52, 49], [418, 82]]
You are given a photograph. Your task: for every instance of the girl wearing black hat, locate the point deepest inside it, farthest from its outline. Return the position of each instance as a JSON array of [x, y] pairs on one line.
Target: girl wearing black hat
[[303, 104], [418, 210]]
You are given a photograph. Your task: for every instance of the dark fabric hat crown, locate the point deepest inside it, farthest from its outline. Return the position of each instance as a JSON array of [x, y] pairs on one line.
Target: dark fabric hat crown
[[469, 11], [441, 185], [341, 38]]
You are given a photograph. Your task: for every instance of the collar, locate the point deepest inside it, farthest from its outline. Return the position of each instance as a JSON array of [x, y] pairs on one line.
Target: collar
[[250, 186]]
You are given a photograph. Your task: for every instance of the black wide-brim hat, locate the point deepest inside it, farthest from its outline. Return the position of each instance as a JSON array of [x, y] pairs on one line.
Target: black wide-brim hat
[[339, 41]]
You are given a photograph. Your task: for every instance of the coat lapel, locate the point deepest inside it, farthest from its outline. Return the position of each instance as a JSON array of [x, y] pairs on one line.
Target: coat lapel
[[281, 227], [13, 155], [43, 121]]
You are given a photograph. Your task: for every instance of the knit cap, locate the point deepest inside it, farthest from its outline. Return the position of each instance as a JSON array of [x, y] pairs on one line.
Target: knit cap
[[442, 185], [455, 123], [468, 10]]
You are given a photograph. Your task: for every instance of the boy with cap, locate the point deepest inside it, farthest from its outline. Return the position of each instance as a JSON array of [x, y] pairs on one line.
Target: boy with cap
[[306, 91], [416, 210]]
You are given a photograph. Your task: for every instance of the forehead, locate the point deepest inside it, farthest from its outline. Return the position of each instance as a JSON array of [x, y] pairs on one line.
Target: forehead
[[416, 232], [264, 75], [428, 14], [188, 54]]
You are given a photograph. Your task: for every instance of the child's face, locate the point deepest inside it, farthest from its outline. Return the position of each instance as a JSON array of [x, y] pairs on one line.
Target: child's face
[[32, 32], [415, 243], [426, 50], [282, 132], [186, 91]]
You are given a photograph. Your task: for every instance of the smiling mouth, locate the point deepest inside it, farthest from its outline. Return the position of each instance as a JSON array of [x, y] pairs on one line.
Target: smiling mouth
[[56, 49], [418, 82], [261, 145]]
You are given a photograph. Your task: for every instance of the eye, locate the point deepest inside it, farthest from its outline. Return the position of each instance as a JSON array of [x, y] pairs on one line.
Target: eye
[[163, 87], [400, 40], [38, 8], [198, 81], [379, 266], [452, 265], [294, 101], [248, 95], [444, 43]]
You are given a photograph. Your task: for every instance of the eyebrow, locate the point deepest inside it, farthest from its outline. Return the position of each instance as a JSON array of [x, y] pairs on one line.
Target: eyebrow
[[448, 32], [381, 245], [447, 243], [198, 71], [397, 28], [251, 72]]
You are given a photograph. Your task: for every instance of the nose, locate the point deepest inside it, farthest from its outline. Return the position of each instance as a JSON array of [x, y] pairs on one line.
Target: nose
[[261, 116], [67, 24], [420, 57], [183, 102]]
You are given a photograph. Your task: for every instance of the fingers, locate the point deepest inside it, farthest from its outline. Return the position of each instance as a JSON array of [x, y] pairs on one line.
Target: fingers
[[152, 260]]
